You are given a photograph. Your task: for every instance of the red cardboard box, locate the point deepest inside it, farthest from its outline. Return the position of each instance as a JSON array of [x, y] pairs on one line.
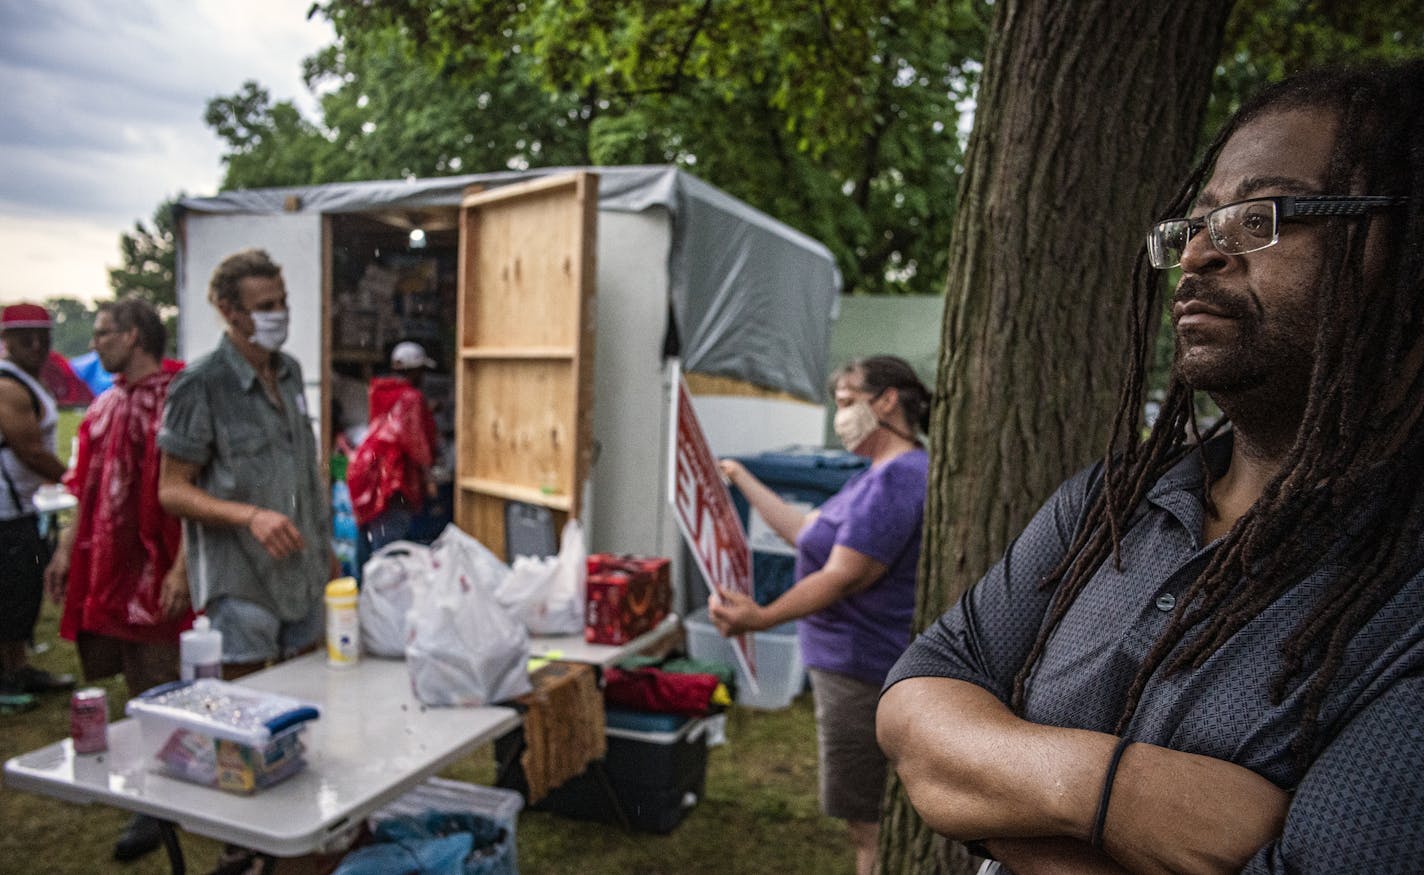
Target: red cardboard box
[[627, 596]]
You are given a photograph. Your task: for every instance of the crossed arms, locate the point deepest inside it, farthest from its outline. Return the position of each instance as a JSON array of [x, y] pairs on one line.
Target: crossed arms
[[973, 770], [977, 771]]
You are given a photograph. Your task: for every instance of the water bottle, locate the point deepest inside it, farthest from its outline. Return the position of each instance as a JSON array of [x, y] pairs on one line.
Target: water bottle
[[200, 651], [344, 531]]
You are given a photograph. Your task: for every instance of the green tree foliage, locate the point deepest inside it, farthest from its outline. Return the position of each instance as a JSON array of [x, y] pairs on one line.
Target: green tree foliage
[[268, 143], [838, 117], [73, 325], [384, 116], [147, 254], [1268, 40]]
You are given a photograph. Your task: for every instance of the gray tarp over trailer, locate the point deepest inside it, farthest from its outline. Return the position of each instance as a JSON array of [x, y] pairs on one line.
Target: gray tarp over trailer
[[734, 272]]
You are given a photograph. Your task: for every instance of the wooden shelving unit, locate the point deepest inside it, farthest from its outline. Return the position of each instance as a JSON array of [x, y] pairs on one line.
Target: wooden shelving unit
[[524, 376]]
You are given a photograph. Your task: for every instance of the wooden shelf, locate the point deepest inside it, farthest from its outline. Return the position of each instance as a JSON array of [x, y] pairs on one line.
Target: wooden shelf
[[495, 353], [496, 489]]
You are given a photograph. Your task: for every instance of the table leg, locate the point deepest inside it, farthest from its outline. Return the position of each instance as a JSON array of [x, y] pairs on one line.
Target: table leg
[[171, 846]]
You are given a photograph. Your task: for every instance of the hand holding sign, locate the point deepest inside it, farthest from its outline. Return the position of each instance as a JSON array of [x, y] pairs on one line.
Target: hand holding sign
[[705, 514]]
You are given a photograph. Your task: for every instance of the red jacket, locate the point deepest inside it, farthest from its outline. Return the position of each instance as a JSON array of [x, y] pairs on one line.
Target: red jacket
[[397, 451], [124, 543]]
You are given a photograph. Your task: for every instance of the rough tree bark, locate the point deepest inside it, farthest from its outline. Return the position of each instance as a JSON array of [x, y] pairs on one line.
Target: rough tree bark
[[1087, 117]]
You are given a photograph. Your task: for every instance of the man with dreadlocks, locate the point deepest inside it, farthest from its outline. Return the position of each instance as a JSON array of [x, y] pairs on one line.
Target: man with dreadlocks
[[1206, 652]]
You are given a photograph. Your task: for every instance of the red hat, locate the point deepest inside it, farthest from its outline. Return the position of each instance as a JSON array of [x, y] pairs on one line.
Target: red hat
[[25, 316]]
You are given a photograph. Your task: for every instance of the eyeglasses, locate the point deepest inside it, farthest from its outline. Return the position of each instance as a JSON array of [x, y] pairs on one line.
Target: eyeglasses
[[1252, 225]]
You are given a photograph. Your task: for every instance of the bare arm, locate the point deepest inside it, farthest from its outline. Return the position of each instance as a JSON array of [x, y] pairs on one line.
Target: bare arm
[[21, 429], [175, 598], [56, 575], [181, 496], [974, 770], [846, 572], [784, 519]]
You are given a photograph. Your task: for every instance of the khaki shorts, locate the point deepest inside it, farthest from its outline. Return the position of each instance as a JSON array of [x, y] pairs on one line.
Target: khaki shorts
[[853, 768]]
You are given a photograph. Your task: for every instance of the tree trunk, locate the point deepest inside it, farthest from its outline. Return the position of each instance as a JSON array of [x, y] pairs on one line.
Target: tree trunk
[[1087, 117]]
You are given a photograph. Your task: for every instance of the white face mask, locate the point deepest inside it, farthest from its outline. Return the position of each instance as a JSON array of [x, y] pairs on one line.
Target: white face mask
[[855, 423], [269, 329]]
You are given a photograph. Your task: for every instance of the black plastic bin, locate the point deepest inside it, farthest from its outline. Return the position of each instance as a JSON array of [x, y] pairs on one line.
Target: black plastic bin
[[651, 777]]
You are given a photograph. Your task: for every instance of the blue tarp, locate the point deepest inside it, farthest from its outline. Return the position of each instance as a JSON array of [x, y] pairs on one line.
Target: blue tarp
[[88, 369]]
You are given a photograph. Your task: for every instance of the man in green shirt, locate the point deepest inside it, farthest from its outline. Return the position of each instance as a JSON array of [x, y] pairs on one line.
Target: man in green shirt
[[240, 468]]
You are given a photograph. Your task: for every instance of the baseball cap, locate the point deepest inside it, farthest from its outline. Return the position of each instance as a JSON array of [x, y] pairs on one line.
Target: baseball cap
[[409, 354], [25, 316]]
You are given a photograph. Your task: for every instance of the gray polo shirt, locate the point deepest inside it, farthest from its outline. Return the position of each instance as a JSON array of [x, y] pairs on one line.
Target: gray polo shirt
[[1357, 807], [218, 416]]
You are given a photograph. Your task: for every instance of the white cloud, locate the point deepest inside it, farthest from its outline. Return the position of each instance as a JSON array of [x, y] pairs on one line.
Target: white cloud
[[101, 118], [53, 258]]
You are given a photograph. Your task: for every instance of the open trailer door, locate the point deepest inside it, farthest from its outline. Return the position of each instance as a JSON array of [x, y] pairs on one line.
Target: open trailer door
[[524, 373]]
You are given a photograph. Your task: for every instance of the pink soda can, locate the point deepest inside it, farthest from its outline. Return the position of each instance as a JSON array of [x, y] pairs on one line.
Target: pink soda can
[[89, 720]]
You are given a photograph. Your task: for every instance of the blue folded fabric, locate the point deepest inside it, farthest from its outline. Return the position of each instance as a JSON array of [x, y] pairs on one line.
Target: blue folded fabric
[[433, 843], [437, 856]]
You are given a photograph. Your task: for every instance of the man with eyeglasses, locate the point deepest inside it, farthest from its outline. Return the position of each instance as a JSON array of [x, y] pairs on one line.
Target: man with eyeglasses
[[1206, 652], [28, 417], [118, 569], [240, 468]]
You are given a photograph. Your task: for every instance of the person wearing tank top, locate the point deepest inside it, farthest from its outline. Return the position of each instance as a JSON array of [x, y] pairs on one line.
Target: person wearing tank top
[[28, 417]]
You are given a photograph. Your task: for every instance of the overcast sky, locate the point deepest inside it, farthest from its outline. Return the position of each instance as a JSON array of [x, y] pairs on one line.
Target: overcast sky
[[101, 119]]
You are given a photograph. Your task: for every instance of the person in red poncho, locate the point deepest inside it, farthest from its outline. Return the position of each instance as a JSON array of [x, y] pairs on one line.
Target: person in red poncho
[[389, 475], [119, 568]]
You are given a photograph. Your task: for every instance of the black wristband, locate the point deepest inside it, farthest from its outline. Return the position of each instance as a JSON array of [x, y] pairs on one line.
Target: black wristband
[[1096, 839]]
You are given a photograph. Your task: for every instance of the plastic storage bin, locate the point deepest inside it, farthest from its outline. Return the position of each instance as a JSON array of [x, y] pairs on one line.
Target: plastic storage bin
[[220, 734], [654, 777], [490, 803], [780, 673], [803, 476]]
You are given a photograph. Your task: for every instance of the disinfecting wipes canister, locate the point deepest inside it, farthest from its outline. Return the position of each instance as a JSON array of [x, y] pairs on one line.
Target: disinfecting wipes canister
[[343, 624]]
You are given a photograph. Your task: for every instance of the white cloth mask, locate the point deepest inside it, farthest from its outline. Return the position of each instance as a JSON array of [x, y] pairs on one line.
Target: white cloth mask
[[855, 423], [269, 329]]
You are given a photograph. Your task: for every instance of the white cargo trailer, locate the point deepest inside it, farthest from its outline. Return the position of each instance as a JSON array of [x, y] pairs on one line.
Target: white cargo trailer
[[554, 300]]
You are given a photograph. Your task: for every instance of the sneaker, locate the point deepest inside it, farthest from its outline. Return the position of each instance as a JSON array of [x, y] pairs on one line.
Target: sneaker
[[36, 680], [142, 836]]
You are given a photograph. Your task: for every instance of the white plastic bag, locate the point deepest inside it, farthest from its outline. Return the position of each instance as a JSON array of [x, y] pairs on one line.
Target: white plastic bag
[[463, 647], [392, 580], [461, 548], [550, 591]]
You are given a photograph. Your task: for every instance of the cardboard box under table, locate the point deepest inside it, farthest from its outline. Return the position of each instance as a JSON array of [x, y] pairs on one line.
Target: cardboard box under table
[[654, 773]]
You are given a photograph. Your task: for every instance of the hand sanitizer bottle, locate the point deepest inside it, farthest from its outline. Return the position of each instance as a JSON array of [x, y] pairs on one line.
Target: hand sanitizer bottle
[[200, 651]]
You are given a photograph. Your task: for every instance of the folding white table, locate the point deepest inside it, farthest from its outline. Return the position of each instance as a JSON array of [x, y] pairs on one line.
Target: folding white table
[[573, 648], [373, 742]]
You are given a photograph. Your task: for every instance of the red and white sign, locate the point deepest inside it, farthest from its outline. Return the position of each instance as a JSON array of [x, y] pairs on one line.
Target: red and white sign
[[706, 516]]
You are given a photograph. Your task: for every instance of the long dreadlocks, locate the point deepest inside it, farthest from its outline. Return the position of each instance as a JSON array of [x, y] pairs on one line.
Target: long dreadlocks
[[1350, 493]]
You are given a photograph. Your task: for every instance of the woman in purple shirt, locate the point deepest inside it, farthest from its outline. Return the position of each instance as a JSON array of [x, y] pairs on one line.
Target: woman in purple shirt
[[854, 595]]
